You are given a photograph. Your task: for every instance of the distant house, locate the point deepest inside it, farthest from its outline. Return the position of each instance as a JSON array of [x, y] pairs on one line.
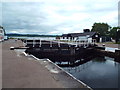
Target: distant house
[[2, 34], [86, 36]]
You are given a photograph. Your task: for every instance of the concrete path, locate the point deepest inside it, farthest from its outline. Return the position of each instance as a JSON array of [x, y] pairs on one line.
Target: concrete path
[[20, 71], [108, 45]]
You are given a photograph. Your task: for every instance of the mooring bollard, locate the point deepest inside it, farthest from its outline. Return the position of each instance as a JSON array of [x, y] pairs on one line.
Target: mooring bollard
[[103, 45], [12, 48]]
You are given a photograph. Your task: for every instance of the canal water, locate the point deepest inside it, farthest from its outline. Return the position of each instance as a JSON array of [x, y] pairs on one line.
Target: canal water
[[95, 71], [87, 66], [100, 72]]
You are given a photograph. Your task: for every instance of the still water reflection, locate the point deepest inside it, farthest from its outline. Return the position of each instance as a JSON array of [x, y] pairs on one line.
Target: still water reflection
[[100, 72], [94, 70]]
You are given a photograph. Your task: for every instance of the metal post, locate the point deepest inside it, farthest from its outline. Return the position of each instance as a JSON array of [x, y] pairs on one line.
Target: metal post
[[87, 43], [33, 42], [82, 43], [58, 43], [26, 42], [68, 40], [40, 44], [79, 42], [50, 43], [76, 43], [23, 43], [92, 41]]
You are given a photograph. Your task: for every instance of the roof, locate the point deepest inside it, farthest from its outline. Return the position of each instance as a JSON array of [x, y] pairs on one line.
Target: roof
[[79, 34]]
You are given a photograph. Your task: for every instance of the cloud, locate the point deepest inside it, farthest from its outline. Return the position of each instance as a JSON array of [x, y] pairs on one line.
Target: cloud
[[1, 14], [119, 14], [57, 16], [12, 31]]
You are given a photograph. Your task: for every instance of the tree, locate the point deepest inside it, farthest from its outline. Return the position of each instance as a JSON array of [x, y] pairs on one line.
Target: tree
[[102, 28], [113, 32]]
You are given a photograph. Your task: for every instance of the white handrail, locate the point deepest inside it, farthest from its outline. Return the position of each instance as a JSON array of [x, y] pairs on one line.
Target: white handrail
[[76, 43]]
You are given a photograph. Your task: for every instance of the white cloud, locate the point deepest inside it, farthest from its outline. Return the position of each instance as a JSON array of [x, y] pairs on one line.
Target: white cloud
[[54, 32], [60, 16], [109, 17], [12, 31]]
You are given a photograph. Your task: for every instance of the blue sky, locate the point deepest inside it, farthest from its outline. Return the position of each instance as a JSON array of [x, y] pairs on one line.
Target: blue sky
[[56, 16]]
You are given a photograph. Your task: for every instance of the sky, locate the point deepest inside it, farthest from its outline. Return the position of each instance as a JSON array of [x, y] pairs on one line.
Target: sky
[[56, 16], [119, 13]]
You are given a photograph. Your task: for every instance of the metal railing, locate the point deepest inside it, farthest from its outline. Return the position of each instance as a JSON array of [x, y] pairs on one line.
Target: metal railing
[[77, 43]]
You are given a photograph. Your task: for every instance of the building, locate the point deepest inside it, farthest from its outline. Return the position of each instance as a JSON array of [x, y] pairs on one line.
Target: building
[[2, 34], [86, 36]]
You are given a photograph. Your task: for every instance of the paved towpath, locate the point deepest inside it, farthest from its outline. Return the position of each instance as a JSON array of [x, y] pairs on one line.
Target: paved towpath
[[108, 45], [19, 71]]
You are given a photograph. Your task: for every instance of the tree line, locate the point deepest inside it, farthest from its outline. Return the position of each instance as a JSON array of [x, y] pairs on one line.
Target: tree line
[[107, 31]]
